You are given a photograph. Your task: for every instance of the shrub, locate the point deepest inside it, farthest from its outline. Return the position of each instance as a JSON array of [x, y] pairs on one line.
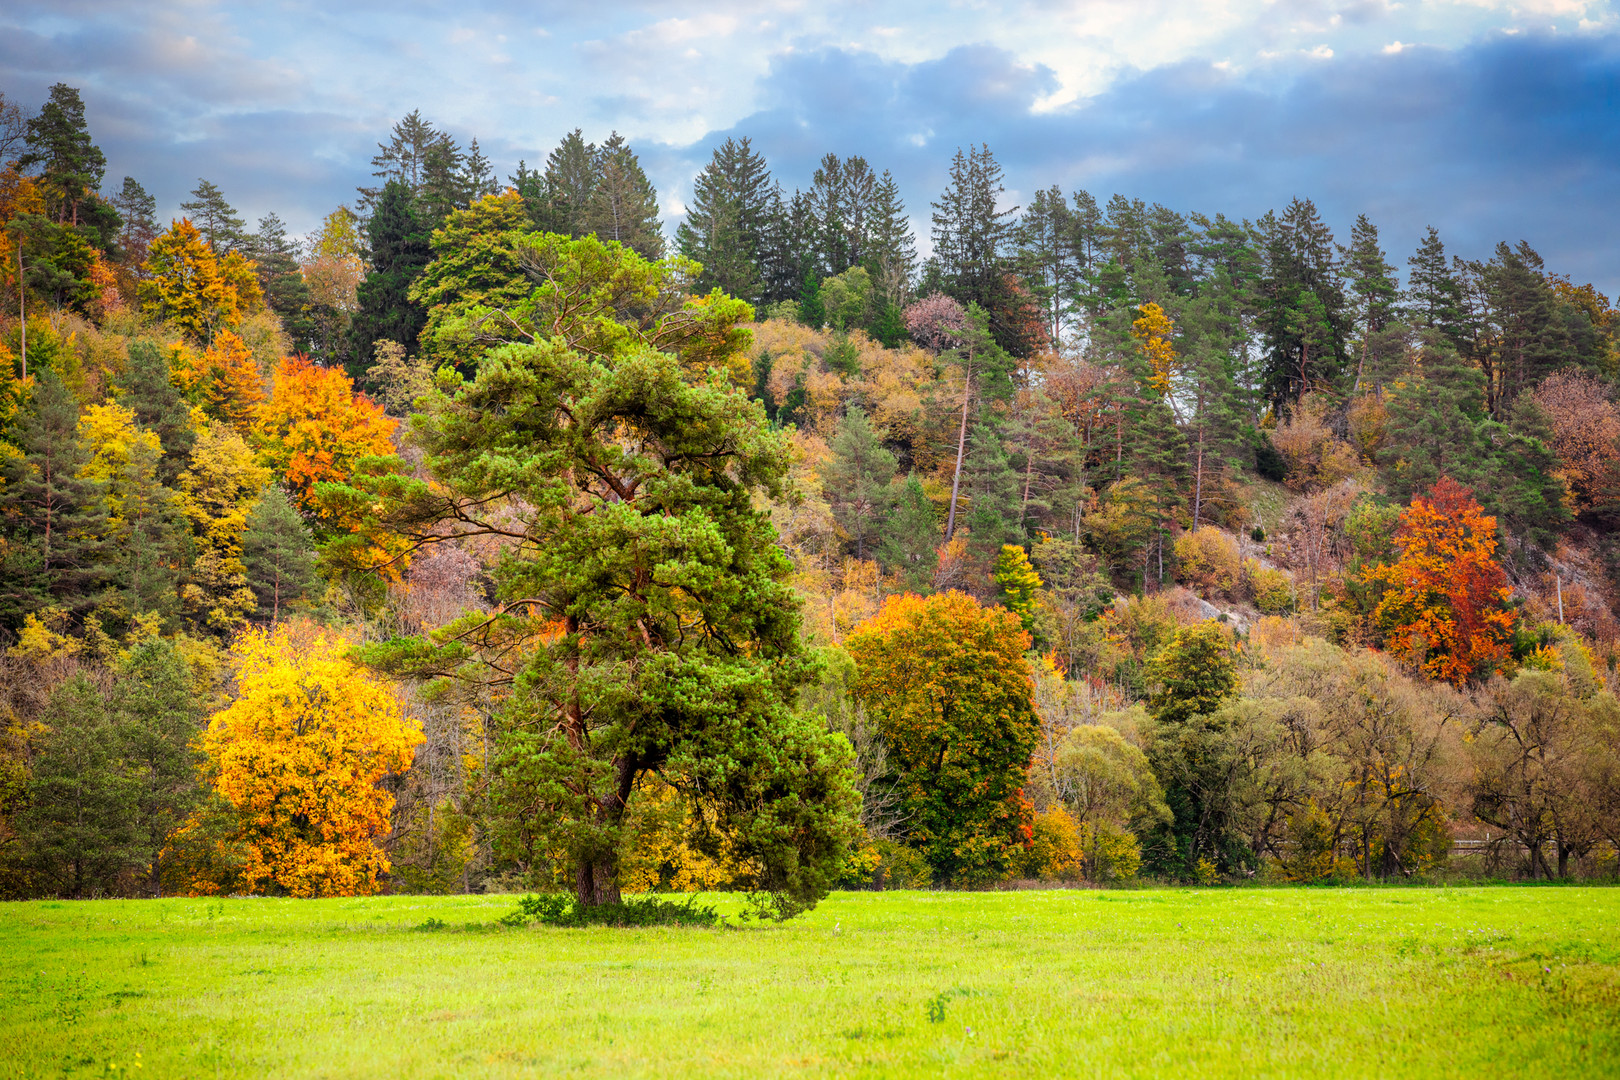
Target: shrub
[[559, 909], [1054, 852], [1111, 853], [1208, 559], [1271, 590]]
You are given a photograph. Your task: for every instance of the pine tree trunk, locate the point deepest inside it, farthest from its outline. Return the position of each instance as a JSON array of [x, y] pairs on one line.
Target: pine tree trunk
[[1198, 482]]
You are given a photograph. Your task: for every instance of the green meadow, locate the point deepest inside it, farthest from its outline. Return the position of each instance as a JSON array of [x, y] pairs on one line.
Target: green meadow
[[1516, 981]]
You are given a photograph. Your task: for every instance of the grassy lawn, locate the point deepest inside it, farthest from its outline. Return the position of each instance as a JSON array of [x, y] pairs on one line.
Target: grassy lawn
[[1292, 982]]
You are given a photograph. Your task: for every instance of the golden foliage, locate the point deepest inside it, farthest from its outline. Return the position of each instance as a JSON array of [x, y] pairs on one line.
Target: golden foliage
[[299, 755]]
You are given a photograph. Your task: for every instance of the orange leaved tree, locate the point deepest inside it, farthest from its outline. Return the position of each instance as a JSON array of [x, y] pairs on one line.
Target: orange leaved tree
[[952, 693], [1445, 602], [299, 755], [314, 427]]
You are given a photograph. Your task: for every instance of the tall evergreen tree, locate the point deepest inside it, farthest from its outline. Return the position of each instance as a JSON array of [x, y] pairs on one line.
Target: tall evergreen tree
[[443, 190], [1433, 296], [1528, 337], [1302, 304], [857, 479], [279, 554], [221, 227], [54, 518], [1045, 257], [993, 487], [275, 260], [891, 250], [157, 718], [727, 222], [910, 535], [477, 175], [138, 211], [623, 206], [403, 158], [150, 536], [147, 388], [70, 163], [399, 252], [972, 245], [570, 178], [1374, 295]]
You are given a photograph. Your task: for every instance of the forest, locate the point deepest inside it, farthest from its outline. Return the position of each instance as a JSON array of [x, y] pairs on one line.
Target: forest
[[497, 536]]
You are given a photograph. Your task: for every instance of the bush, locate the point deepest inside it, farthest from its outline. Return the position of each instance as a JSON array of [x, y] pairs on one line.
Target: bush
[[1271, 590], [558, 909], [1208, 559], [1111, 853], [1054, 852]]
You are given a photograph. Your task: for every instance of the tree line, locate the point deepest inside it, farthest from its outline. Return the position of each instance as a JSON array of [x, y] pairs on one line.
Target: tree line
[[1107, 540]]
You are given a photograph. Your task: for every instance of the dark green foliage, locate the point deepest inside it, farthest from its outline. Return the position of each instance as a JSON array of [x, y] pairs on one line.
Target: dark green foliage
[[910, 536], [399, 252], [70, 164], [811, 311], [992, 486], [972, 241], [278, 553], [1438, 426], [147, 389], [727, 221], [1302, 305], [1433, 296], [556, 909], [53, 521], [79, 830], [275, 260], [115, 777], [215, 218], [857, 480], [152, 538], [623, 206]]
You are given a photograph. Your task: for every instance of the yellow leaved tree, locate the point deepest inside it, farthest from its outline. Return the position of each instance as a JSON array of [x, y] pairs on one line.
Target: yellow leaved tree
[[299, 755]]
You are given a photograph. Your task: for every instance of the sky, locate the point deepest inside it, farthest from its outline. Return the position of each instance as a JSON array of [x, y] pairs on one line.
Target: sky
[[1488, 120]]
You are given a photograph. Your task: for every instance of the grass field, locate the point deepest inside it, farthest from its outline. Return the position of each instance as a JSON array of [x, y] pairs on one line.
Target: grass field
[[1292, 982]]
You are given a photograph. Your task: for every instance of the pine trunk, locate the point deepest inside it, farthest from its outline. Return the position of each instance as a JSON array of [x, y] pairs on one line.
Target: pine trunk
[[961, 447]]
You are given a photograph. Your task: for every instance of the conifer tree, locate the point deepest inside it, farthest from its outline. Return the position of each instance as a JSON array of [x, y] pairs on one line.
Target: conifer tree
[[147, 389], [150, 537], [728, 220], [1374, 295], [858, 478], [71, 165], [275, 261], [910, 535], [138, 211], [279, 554], [891, 250], [54, 518], [1433, 296], [399, 252], [623, 206], [222, 230], [570, 178], [993, 487]]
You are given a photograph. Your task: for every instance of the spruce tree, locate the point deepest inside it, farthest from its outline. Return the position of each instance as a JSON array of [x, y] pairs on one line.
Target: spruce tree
[[1433, 296], [972, 240], [80, 826], [399, 252], [477, 175], [157, 718], [858, 478], [993, 487], [1302, 309], [728, 220], [891, 250], [1373, 293], [54, 519], [402, 158], [570, 178], [279, 554], [147, 389], [910, 535], [623, 206]]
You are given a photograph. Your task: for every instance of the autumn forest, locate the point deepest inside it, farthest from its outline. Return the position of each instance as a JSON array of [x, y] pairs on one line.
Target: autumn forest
[[499, 535]]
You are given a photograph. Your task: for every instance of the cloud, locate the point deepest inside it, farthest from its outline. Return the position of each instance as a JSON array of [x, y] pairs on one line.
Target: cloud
[[1513, 138]]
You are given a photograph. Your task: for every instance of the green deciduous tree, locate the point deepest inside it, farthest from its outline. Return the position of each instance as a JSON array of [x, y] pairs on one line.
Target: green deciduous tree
[[952, 694]]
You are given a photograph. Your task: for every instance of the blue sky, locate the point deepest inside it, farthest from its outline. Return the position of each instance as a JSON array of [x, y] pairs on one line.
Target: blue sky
[[1488, 120]]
